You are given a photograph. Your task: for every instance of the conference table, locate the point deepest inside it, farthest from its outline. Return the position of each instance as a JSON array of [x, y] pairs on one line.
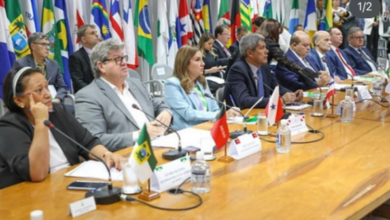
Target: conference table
[[345, 175]]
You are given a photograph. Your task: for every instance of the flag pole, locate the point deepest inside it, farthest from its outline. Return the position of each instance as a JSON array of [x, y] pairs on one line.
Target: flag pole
[[225, 158], [149, 195], [332, 115]]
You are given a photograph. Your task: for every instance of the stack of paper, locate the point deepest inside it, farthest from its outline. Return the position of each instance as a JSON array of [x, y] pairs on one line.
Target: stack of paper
[[94, 170]]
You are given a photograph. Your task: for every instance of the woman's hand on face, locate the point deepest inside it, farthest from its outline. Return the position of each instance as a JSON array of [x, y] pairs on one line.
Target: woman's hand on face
[[39, 110], [113, 160]]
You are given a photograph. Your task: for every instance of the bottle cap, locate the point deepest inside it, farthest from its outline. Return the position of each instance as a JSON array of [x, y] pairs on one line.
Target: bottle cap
[[283, 122], [347, 97], [199, 155], [36, 215]]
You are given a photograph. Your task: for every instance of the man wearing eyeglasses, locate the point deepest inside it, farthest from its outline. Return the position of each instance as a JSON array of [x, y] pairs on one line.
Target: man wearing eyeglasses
[[361, 59], [105, 106], [40, 47], [222, 36], [79, 62]]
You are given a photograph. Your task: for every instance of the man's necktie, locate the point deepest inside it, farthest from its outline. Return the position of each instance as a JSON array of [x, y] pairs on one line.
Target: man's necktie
[[344, 62], [260, 87], [366, 57], [324, 64], [307, 64], [226, 51]]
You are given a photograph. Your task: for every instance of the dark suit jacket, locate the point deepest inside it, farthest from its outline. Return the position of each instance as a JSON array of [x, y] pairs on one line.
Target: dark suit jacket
[[358, 63], [294, 81], [80, 69], [53, 73], [241, 85], [318, 63], [211, 61], [16, 136], [234, 46], [337, 64], [219, 50]]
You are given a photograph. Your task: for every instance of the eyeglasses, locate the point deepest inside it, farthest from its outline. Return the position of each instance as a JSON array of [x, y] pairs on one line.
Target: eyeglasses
[[118, 60], [226, 34], [359, 37], [43, 44]]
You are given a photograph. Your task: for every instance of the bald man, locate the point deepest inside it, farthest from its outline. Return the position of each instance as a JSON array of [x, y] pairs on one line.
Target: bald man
[[298, 52], [322, 44]]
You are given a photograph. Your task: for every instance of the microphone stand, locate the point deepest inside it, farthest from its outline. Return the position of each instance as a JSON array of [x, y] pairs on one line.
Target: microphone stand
[[103, 196], [171, 154], [234, 134]]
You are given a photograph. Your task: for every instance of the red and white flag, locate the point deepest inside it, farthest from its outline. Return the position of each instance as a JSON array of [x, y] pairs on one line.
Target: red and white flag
[[331, 92], [115, 21], [274, 108], [128, 31], [220, 130], [185, 23], [77, 20]]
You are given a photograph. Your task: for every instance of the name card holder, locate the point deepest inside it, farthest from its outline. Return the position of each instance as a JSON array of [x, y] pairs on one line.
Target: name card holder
[[82, 206], [171, 174], [244, 145], [363, 94], [297, 124]]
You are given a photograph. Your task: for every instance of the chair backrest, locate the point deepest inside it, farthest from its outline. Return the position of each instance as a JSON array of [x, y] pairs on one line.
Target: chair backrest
[[134, 74], [219, 95], [161, 71]]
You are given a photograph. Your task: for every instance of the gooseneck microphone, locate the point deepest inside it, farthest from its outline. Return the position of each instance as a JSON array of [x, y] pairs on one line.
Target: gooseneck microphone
[[171, 154], [234, 134], [104, 195]]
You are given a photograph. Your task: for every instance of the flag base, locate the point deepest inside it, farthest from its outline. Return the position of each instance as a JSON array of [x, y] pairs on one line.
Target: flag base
[[331, 116], [225, 159], [149, 195], [236, 134], [317, 114]]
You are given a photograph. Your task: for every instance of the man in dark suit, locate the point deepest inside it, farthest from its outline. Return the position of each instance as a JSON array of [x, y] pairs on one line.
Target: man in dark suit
[[240, 32], [298, 52], [222, 36], [337, 57], [40, 46], [361, 59], [79, 62], [250, 78], [322, 45]]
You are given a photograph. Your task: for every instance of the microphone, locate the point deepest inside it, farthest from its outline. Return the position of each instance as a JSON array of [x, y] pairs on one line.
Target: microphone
[[171, 154], [107, 195], [352, 80], [229, 106]]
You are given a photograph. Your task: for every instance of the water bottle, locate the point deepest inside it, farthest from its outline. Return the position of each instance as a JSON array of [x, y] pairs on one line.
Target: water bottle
[[283, 138], [200, 179], [346, 110]]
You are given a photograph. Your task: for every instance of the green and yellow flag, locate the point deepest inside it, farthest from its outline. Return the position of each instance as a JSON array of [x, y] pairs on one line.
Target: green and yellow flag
[[142, 23], [327, 20], [245, 11], [49, 28], [142, 159], [17, 28]]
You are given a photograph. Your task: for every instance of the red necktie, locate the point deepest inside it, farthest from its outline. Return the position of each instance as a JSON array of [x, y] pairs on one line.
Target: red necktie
[[345, 63]]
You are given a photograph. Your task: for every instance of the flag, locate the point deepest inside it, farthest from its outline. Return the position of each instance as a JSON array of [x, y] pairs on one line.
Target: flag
[[64, 36], [274, 109], [254, 12], [141, 21], [294, 16], [331, 92], [185, 23], [196, 20], [77, 21], [223, 13], [245, 13], [220, 130], [162, 33], [16, 28], [99, 17], [142, 159], [327, 21], [235, 21], [174, 33], [6, 46], [268, 9], [49, 28], [279, 13], [115, 21], [207, 21], [30, 15], [128, 32], [310, 19]]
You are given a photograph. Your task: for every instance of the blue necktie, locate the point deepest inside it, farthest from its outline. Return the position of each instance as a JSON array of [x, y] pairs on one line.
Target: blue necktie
[[260, 87]]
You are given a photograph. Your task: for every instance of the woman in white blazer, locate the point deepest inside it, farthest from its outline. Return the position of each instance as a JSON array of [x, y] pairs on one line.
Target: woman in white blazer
[[185, 92]]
